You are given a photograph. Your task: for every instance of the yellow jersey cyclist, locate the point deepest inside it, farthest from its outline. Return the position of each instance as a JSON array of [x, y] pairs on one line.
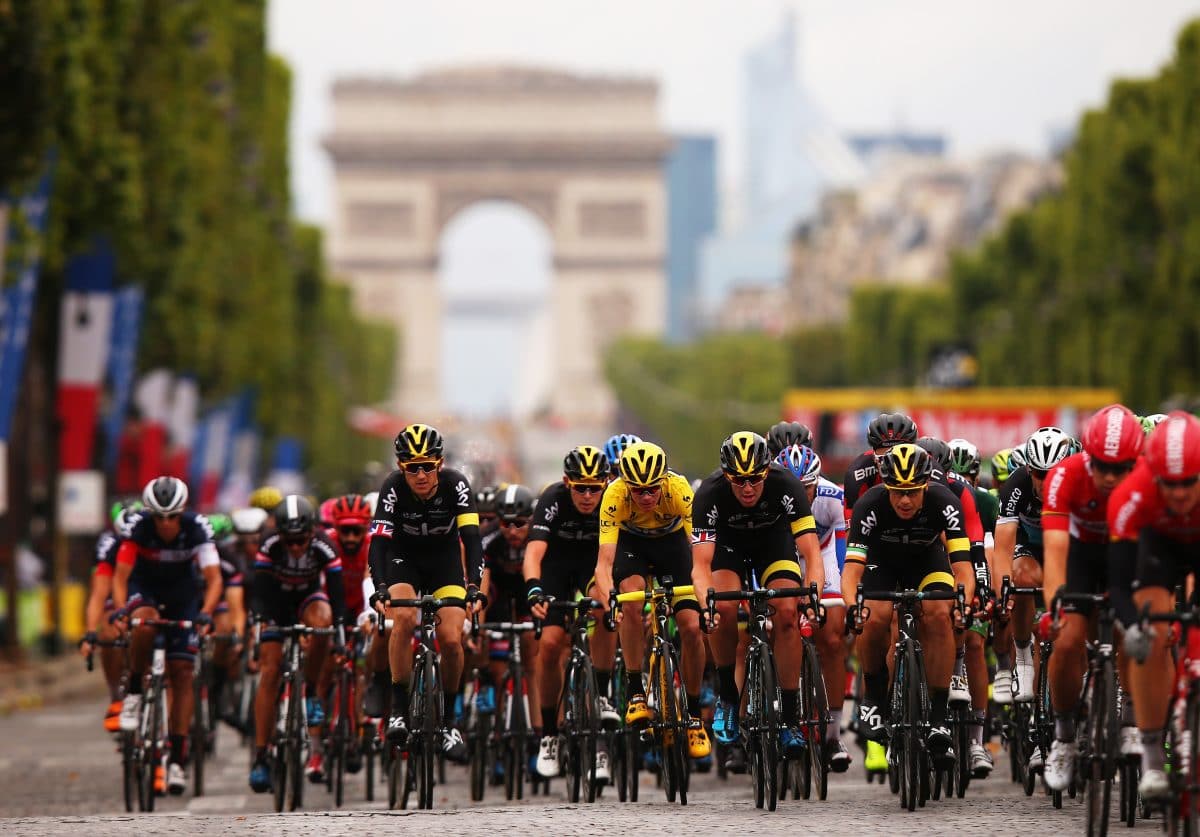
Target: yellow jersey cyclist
[[424, 524], [896, 543], [645, 532], [749, 521]]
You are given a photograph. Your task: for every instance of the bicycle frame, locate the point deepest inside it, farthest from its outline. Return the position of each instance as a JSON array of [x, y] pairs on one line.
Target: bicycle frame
[[1183, 718], [150, 746], [579, 703]]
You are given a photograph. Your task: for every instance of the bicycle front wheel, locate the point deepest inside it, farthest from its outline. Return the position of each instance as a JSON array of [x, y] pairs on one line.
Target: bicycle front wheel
[[910, 730], [815, 709], [199, 735], [129, 771], [1103, 730]]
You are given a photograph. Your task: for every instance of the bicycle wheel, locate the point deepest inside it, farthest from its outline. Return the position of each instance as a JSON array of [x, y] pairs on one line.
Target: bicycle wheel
[[910, 764], [430, 734], [962, 750], [1103, 730], [279, 762], [633, 760], [673, 723], [129, 771], [479, 732], [570, 738], [1189, 806], [768, 730], [342, 739], [366, 744], [199, 732], [151, 746], [587, 721], [816, 712]]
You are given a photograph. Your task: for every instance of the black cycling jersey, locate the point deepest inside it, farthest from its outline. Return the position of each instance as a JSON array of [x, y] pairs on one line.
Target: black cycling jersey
[[861, 476], [162, 566], [406, 524], [233, 572], [1020, 504], [876, 531], [564, 527], [277, 572], [718, 515], [500, 557]]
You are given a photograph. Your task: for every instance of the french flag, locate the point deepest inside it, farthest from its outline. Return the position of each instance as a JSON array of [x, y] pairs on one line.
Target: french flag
[[85, 329]]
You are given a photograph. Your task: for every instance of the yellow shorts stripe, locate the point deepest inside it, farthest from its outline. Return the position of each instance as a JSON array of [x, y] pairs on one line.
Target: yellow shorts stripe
[[939, 577], [450, 591], [778, 567]]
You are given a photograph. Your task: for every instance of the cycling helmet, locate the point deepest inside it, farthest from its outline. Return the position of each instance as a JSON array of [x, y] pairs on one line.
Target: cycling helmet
[[485, 499], [165, 495], [325, 512], [802, 461], [1046, 447], [1000, 465], [939, 450], [586, 463], [784, 434], [1152, 421], [888, 429], [1016, 459], [266, 498], [248, 521], [515, 503], [616, 445], [643, 464], [122, 513], [350, 508], [744, 453], [964, 458], [1173, 449], [905, 465], [295, 515], [1113, 434], [418, 441], [222, 526]]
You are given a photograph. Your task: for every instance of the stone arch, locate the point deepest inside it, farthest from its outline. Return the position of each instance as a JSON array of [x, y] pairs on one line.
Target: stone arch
[[583, 154]]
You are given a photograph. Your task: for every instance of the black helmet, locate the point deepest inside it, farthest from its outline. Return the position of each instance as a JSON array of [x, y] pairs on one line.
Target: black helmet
[[165, 495], [514, 503], [943, 458], [784, 434], [485, 500], [295, 515], [418, 441], [586, 463], [888, 429]]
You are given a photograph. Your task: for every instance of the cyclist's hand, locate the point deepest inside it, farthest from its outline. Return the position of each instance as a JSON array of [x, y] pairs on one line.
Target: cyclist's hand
[[539, 609], [203, 623], [476, 601], [380, 598], [1048, 627], [87, 645], [709, 620]]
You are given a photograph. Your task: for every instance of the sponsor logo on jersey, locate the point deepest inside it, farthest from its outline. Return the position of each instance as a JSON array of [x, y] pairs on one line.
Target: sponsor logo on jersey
[[389, 502], [1128, 510], [551, 512], [789, 503], [953, 518], [464, 495], [868, 523]]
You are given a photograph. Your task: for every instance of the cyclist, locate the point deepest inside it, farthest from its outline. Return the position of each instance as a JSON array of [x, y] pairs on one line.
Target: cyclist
[[288, 590], [485, 502], [1075, 559], [560, 560], [966, 462], [1018, 555], [884, 432], [1152, 421], [826, 501], [1154, 524], [1002, 467], [749, 521], [155, 578], [425, 522], [99, 606], [645, 531], [615, 447], [896, 542], [230, 616], [784, 434]]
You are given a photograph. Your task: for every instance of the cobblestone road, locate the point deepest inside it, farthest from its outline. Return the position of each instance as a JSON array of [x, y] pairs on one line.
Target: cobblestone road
[[58, 772]]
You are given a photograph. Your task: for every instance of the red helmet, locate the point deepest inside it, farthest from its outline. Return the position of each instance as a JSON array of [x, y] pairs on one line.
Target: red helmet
[[1173, 449], [1113, 434], [325, 512], [351, 508]]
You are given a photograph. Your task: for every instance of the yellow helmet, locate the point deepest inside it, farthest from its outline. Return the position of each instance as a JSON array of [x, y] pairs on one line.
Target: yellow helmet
[[905, 466], [745, 453], [266, 497], [643, 464], [418, 441], [586, 463]]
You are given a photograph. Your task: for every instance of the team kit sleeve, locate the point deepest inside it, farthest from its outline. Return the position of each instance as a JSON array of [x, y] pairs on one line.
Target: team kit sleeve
[[858, 539], [546, 512], [612, 511], [383, 527], [1056, 499], [958, 544], [796, 506], [467, 523], [706, 515]]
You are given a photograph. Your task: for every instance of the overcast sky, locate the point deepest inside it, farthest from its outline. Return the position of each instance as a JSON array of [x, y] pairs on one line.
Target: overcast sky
[[987, 74]]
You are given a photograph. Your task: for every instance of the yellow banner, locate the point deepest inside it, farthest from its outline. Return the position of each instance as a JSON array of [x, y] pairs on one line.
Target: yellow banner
[[996, 398]]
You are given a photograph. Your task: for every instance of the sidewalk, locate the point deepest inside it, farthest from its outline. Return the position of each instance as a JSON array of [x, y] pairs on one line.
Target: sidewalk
[[44, 682]]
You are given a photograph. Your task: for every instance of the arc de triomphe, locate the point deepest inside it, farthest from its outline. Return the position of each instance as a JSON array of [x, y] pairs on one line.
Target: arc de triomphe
[[583, 154]]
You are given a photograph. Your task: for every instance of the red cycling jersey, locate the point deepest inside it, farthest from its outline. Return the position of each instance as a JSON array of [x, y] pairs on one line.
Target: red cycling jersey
[[354, 570], [1136, 504], [1072, 503]]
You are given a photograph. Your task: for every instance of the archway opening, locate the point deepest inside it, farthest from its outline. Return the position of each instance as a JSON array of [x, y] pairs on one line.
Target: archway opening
[[495, 273]]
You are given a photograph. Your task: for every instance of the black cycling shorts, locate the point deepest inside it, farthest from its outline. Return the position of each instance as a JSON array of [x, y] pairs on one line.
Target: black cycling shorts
[[770, 556], [1164, 562], [928, 570], [286, 608], [563, 577], [667, 556], [435, 569], [1087, 572], [507, 601]]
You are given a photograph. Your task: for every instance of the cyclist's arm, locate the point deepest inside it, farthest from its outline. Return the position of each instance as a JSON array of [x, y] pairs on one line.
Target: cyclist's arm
[[1055, 545], [852, 574], [102, 582], [235, 597], [1002, 555], [702, 556], [126, 559], [532, 566], [604, 571], [212, 588]]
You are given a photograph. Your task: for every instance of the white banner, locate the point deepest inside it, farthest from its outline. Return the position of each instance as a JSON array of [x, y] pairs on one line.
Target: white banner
[[81, 502]]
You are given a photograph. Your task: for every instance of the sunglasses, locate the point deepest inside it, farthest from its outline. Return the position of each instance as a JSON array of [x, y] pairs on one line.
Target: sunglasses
[[514, 524], [352, 531], [297, 540], [749, 479], [587, 487], [1038, 473], [1185, 482], [1112, 468], [420, 467], [906, 492], [645, 490], [172, 516]]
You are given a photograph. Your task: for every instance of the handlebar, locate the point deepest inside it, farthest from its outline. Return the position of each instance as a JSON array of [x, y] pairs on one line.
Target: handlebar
[[958, 596], [103, 643], [753, 597], [552, 604]]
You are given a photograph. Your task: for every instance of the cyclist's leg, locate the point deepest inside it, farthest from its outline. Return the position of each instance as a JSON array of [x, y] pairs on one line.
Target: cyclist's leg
[[1069, 660], [182, 647], [603, 642], [404, 579], [728, 574], [831, 644], [630, 570], [315, 612], [671, 557], [280, 611], [935, 628], [141, 640], [779, 570], [872, 647]]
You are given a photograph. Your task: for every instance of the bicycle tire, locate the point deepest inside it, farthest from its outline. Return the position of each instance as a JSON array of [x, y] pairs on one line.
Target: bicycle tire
[[430, 732], [768, 731], [1191, 782], [570, 737], [129, 772], [151, 745], [279, 775], [199, 732], [479, 731], [342, 738], [367, 745], [684, 762], [817, 717], [910, 780], [587, 704], [1103, 729], [962, 746]]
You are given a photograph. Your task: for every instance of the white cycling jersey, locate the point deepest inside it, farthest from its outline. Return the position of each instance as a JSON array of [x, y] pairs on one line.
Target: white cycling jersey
[[830, 516]]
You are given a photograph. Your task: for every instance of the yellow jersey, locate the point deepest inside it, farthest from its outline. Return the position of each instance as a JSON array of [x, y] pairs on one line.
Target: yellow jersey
[[672, 512]]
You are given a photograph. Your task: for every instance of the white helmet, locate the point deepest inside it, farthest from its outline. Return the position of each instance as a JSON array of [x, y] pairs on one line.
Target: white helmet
[[165, 495], [1046, 447], [248, 521]]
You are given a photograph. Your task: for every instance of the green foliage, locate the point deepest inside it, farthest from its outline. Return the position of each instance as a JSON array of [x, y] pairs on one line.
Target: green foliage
[[169, 122]]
